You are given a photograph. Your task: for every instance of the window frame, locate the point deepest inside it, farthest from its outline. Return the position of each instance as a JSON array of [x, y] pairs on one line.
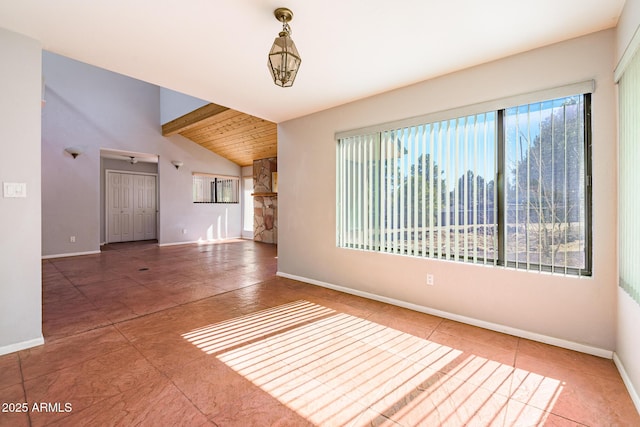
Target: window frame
[[211, 196], [583, 89], [588, 194]]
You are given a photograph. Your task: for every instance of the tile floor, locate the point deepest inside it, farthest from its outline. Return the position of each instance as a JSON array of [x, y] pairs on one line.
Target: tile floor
[[208, 335]]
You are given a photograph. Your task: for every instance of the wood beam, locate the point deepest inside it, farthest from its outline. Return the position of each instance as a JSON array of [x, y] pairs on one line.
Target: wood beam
[[191, 119]]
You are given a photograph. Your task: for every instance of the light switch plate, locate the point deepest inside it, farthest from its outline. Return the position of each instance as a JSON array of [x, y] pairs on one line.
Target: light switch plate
[[15, 189]]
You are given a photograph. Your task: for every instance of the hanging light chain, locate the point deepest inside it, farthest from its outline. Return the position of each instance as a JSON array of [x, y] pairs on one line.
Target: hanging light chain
[[286, 28]]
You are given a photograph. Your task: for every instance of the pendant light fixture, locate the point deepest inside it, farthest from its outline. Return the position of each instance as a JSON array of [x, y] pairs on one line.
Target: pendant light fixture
[[284, 59]]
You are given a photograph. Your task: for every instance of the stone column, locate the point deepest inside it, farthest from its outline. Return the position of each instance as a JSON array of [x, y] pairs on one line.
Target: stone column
[[265, 201]]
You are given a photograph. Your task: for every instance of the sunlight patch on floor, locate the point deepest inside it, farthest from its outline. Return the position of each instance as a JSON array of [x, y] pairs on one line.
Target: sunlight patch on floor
[[338, 369], [227, 334]]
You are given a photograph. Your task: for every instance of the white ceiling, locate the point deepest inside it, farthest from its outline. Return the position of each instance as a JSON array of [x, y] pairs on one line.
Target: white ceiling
[[217, 49]]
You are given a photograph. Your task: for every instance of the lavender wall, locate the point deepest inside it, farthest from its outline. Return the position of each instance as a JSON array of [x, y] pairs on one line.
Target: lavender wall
[[20, 232], [96, 109]]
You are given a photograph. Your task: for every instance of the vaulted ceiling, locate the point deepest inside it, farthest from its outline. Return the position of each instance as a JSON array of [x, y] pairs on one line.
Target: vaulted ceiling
[[217, 50], [236, 136]]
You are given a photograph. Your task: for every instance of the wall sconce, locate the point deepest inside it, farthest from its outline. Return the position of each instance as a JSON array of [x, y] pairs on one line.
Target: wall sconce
[[74, 151], [284, 59], [177, 163]]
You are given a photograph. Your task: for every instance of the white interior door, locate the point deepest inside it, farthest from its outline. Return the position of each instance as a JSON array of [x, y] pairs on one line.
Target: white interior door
[[120, 207], [113, 208], [131, 207], [139, 205], [126, 207], [151, 211], [145, 207]]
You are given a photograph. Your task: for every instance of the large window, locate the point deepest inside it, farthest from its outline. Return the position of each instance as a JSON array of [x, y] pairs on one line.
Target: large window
[[505, 187], [629, 178], [215, 189]]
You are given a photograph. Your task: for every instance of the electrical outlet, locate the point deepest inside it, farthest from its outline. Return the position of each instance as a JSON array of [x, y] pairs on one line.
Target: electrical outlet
[[430, 279], [72, 239]]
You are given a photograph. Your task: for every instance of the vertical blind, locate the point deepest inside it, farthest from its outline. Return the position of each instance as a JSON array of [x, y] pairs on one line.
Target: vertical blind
[[215, 189], [421, 190], [545, 206], [508, 187], [629, 179]]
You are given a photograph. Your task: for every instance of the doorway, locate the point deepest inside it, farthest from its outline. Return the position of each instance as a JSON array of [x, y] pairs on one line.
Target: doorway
[[131, 206], [247, 215]]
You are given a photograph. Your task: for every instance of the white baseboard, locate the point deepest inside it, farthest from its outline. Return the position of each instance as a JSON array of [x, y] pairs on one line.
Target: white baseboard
[[635, 397], [12, 348], [177, 243], [201, 242], [70, 254], [595, 351]]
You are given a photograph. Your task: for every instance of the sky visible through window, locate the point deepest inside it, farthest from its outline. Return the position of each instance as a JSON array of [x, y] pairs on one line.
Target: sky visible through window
[[434, 187]]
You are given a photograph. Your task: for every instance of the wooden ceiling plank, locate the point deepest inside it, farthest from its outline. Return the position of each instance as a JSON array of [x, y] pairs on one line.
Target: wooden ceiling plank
[[266, 142], [228, 116], [231, 118], [235, 144], [192, 119], [236, 136], [246, 130], [245, 136], [229, 127]]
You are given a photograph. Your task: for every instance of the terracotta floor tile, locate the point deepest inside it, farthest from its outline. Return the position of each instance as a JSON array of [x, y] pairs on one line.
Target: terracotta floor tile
[[70, 351], [57, 290], [274, 292], [482, 372], [124, 298], [185, 291], [164, 276], [317, 402], [10, 373], [579, 397], [14, 409], [168, 352], [241, 301], [473, 348], [440, 400], [560, 357], [500, 411], [228, 398], [90, 382], [479, 335], [84, 277], [341, 305], [208, 335], [70, 316], [156, 402], [405, 320], [48, 268], [176, 320]]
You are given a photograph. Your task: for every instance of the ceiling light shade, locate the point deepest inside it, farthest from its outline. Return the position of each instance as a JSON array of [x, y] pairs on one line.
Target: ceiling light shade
[[284, 59]]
